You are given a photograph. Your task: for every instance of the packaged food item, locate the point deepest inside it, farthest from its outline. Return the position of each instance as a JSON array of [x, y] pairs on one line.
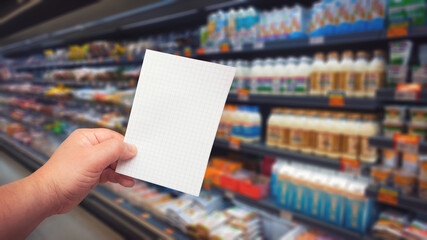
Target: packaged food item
[[302, 81], [400, 52], [422, 187], [420, 131], [285, 129], [329, 79], [291, 74], [273, 129], [418, 116], [410, 162], [336, 135], [404, 181], [347, 76], [395, 114], [299, 19], [361, 68], [417, 230], [390, 225], [392, 128], [358, 210], [322, 144], [335, 200], [376, 14], [306, 132], [423, 168], [285, 186], [316, 201], [265, 78], [279, 86], [380, 175], [390, 158], [351, 138], [295, 130], [257, 72], [359, 16]]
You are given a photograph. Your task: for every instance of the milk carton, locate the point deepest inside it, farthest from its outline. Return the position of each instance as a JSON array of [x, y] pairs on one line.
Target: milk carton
[[299, 19], [376, 14], [317, 21], [343, 8], [359, 15]]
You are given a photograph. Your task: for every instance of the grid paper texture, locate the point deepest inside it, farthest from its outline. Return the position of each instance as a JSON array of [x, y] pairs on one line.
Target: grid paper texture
[[174, 118]]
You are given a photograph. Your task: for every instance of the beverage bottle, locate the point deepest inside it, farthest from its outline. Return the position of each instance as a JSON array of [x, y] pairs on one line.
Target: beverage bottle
[[336, 131], [279, 68], [252, 24], [368, 128], [352, 137], [273, 130], [302, 76], [375, 76], [323, 126], [233, 88], [360, 68], [318, 65], [295, 130], [265, 81], [256, 74], [240, 26], [284, 125], [330, 74], [231, 26], [290, 75], [347, 74]]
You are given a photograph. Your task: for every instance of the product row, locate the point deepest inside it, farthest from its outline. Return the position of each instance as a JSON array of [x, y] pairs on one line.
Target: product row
[[404, 119], [356, 77], [324, 133], [94, 74]]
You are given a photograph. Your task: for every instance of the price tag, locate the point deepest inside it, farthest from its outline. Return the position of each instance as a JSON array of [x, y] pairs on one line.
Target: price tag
[[406, 143], [187, 52], [169, 231], [176, 53], [200, 51], [336, 99], [316, 40], [234, 143], [229, 194], [388, 195], [119, 200], [243, 95], [400, 29], [258, 45], [408, 91], [225, 47], [350, 165], [145, 215], [286, 215], [237, 47]]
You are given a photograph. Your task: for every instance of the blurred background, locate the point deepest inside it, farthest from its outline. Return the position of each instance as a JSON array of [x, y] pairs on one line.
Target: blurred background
[[323, 135]]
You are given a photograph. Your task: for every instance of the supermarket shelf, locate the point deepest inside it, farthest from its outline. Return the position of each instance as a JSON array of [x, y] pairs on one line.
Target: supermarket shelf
[[388, 95], [122, 217], [75, 83], [410, 203], [357, 104], [388, 143], [301, 43], [270, 206], [263, 150], [84, 63]]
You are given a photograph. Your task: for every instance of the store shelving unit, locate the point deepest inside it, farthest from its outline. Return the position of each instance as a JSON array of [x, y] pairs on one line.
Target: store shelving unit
[[270, 206], [410, 203], [307, 101], [387, 95], [388, 143], [124, 218]]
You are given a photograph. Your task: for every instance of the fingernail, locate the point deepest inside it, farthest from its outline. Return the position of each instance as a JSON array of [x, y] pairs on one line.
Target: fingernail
[[131, 148]]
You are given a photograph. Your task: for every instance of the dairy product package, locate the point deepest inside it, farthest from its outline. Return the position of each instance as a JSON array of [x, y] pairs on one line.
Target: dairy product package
[[299, 18], [376, 14], [317, 20], [330, 14], [358, 15]]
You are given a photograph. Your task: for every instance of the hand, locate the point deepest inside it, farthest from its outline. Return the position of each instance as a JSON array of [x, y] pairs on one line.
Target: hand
[[87, 157]]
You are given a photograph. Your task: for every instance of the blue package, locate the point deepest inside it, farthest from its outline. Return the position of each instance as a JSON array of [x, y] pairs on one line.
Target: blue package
[[359, 15], [285, 193], [317, 21], [343, 16], [376, 16], [334, 208], [299, 20], [329, 17]]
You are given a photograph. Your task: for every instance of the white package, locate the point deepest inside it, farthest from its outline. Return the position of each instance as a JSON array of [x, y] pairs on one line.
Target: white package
[[174, 119]]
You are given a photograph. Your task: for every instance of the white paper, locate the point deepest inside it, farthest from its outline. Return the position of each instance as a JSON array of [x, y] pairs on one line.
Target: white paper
[[174, 119]]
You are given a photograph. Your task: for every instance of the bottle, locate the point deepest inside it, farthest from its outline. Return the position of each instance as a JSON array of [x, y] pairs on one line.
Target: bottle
[[336, 130], [330, 74], [265, 81], [237, 126], [302, 76], [278, 86], [315, 75], [347, 74], [284, 125], [322, 145], [273, 129], [368, 128], [239, 78], [375, 76], [231, 26], [305, 126], [351, 137], [221, 28], [295, 130], [360, 68], [256, 74], [313, 128], [247, 75], [246, 125], [233, 87], [251, 22], [240, 26], [290, 72]]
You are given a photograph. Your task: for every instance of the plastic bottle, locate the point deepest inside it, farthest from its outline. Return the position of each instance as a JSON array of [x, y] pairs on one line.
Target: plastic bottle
[[251, 22], [290, 72], [239, 84], [323, 126], [347, 78], [231, 26], [222, 128], [221, 28], [360, 68], [313, 128], [265, 81], [302, 76], [246, 124], [238, 119], [247, 68], [305, 126], [351, 137], [233, 88], [295, 130], [336, 130], [273, 129], [318, 65], [211, 28], [278, 71], [330, 74], [284, 125], [256, 74], [375, 76], [240, 26], [368, 128]]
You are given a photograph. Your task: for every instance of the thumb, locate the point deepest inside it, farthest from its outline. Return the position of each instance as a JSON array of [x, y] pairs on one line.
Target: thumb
[[110, 151]]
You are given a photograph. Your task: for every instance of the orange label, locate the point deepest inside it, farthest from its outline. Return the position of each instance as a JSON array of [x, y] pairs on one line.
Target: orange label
[[176, 53], [388, 196], [130, 58], [234, 143], [406, 143], [225, 47], [408, 91], [187, 52], [200, 51], [412, 139], [398, 30], [243, 94], [336, 100], [350, 165]]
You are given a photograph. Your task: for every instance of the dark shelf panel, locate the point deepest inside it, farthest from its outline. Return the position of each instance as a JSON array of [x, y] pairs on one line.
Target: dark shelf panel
[[123, 217], [388, 143], [410, 203], [357, 104], [270, 206]]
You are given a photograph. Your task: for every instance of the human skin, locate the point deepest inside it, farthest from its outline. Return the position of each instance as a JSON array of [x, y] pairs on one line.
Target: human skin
[[85, 159]]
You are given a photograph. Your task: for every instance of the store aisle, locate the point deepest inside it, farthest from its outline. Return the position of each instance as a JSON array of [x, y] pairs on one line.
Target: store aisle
[[78, 224]]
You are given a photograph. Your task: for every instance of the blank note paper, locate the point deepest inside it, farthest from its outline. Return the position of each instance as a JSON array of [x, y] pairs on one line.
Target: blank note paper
[[174, 118]]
